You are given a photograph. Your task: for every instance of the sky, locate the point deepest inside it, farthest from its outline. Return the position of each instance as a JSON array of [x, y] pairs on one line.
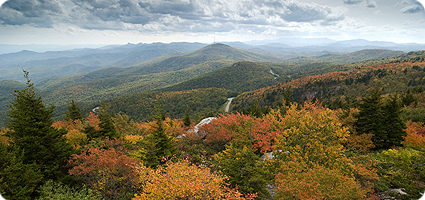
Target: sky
[[146, 21]]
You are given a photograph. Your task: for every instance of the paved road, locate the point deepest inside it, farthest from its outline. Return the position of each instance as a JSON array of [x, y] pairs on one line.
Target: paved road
[[228, 103]]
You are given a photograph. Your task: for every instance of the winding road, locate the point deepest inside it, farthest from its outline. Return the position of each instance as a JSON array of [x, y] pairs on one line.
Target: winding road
[[228, 103]]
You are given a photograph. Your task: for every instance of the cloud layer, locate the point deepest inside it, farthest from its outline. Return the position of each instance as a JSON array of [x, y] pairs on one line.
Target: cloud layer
[[155, 20], [178, 15]]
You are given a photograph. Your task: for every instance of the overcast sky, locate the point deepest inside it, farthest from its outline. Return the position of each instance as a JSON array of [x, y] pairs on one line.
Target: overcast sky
[[146, 21]]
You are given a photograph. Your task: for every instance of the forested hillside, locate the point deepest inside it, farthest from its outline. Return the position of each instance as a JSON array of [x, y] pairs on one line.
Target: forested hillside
[[336, 89], [200, 102]]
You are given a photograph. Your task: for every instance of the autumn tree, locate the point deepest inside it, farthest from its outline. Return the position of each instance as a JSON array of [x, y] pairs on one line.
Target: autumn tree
[[111, 172], [181, 180], [309, 160], [30, 124]]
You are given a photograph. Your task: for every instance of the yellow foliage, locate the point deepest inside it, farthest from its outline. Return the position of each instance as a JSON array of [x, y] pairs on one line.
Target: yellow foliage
[[76, 138], [181, 180], [132, 139], [3, 138]]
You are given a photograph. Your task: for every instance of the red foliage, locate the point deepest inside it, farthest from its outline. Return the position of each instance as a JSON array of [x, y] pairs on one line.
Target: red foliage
[[112, 173]]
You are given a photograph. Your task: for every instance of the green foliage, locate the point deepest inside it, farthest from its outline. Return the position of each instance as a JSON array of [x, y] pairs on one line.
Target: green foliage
[[56, 191], [394, 124], [240, 76], [203, 102], [31, 128], [74, 112], [244, 169], [371, 119], [383, 121], [404, 168], [17, 179], [186, 118], [158, 145], [106, 125]]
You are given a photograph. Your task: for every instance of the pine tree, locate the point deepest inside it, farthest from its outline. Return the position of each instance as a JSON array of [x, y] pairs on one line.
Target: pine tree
[[371, 118], [17, 180], [186, 118], [288, 94], [31, 128], [158, 144], [106, 125], [74, 112], [394, 124], [383, 121]]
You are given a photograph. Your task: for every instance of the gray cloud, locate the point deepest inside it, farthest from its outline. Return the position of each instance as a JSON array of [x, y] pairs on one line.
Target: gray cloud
[[371, 4], [365, 3], [177, 15], [412, 9], [36, 12], [410, 6], [352, 1]]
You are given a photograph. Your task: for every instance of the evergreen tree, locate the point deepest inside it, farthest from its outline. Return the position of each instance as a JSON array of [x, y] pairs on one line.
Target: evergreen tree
[[31, 128], [383, 121], [394, 124], [288, 94], [74, 112], [17, 180], [186, 118], [371, 118], [106, 125], [244, 169], [157, 144]]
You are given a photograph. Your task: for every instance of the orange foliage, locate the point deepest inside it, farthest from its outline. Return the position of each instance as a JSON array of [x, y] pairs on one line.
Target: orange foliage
[[75, 134], [112, 173], [415, 136], [361, 142], [241, 127], [181, 180], [93, 120]]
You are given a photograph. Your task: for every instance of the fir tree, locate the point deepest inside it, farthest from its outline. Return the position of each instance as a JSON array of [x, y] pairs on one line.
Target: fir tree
[[383, 121], [288, 94], [17, 180], [74, 112], [157, 145], [186, 118], [31, 128], [106, 125], [371, 118], [394, 124]]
